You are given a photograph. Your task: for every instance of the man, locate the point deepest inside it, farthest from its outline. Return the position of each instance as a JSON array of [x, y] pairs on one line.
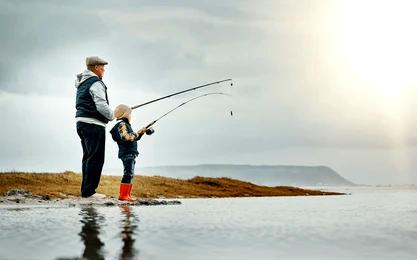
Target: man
[[93, 113]]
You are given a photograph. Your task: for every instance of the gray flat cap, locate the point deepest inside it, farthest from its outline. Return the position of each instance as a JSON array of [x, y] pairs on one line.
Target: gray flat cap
[[94, 60]]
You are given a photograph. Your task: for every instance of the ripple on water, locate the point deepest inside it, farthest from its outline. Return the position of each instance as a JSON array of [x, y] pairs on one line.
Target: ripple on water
[[365, 225]]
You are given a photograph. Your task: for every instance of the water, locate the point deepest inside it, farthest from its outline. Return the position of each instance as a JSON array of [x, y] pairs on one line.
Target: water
[[368, 224]]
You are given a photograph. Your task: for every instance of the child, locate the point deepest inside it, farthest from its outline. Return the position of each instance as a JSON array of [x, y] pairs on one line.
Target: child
[[126, 139]]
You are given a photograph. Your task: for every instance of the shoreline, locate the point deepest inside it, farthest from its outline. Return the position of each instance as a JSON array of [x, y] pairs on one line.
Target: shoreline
[[23, 198], [20, 186]]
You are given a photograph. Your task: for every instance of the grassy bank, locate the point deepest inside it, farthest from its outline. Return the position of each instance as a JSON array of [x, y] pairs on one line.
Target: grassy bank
[[68, 183]]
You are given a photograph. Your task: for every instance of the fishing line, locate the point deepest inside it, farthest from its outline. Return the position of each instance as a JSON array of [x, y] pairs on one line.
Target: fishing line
[[231, 90]]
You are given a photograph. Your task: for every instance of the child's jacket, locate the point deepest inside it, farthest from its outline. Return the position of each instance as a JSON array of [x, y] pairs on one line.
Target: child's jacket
[[126, 138]]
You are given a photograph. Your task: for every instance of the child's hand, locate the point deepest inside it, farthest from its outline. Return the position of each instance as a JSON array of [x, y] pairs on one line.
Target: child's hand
[[142, 131]]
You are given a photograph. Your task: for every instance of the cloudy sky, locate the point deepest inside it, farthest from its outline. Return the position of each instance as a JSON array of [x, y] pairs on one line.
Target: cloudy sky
[[315, 82]]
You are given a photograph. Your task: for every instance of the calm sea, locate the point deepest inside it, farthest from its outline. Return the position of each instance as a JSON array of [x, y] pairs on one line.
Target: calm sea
[[370, 223]]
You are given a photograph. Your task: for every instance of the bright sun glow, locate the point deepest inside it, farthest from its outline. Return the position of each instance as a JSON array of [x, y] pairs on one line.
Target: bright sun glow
[[379, 41]]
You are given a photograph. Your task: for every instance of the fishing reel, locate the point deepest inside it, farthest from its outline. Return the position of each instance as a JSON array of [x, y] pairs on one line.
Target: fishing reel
[[149, 131]]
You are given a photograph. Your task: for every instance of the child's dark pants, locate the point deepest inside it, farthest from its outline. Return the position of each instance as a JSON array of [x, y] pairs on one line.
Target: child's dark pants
[[129, 168]]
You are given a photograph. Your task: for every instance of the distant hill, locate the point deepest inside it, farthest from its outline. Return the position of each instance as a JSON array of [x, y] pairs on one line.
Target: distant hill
[[262, 175]]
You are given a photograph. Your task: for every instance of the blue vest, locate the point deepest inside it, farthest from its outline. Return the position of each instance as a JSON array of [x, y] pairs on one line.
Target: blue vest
[[125, 147], [84, 102]]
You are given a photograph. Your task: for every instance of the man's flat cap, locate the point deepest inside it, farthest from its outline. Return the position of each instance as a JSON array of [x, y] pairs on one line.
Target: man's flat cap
[[94, 60]]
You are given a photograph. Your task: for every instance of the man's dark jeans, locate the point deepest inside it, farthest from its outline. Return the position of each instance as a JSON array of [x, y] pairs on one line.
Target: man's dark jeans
[[93, 140], [129, 168]]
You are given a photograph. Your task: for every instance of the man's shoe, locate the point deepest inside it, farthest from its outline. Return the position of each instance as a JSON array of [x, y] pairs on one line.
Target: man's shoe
[[98, 196]]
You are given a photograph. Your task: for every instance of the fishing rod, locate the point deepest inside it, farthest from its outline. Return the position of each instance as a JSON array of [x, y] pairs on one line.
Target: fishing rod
[[191, 89], [149, 130]]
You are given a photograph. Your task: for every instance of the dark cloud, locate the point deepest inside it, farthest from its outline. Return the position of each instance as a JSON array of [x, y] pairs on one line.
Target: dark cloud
[[190, 45], [33, 32]]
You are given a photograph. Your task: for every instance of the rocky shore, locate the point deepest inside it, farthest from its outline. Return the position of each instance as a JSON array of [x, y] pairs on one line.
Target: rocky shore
[[19, 197]]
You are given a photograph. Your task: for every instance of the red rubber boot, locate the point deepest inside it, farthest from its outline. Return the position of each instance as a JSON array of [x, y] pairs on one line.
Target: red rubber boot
[[124, 192], [130, 191]]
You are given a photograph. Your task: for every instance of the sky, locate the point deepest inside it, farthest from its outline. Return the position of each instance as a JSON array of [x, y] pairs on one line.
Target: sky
[[315, 82]]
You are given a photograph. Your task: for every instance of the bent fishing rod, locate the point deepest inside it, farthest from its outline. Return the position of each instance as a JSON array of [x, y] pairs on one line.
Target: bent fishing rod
[[191, 89], [182, 104]]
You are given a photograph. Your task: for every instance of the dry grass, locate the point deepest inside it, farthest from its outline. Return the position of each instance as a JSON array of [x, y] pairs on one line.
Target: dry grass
[[68, 183]]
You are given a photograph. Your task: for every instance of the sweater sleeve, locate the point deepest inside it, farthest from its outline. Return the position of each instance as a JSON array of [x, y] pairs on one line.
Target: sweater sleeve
[[98, 93], [127, 136]]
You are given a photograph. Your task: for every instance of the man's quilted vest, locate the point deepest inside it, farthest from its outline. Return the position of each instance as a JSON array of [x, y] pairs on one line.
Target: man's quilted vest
[[84, 102]]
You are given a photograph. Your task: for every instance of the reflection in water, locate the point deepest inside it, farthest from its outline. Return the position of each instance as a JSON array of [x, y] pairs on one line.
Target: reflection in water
[[90, 231], [129, 226]]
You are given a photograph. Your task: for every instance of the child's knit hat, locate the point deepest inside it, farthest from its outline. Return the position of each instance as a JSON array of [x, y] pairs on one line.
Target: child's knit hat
[[122, 111]]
